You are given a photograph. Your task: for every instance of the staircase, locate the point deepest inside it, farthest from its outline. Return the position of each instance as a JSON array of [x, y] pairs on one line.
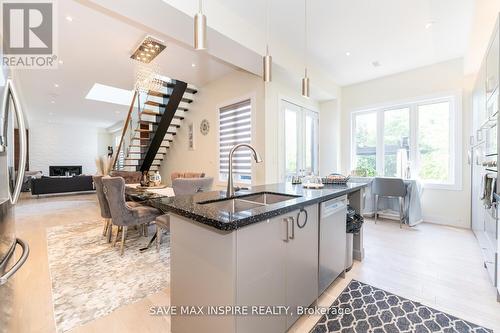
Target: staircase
[[151, 125]]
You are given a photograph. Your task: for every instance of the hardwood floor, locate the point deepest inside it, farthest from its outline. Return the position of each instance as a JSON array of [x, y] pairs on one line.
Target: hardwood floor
[[436, 265]]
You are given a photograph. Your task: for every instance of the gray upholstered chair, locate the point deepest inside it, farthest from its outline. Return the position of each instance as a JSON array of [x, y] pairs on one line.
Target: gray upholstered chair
[[390, 188], [122, 214], [186, 186], [130, 177], [181, 186], [104, 207]]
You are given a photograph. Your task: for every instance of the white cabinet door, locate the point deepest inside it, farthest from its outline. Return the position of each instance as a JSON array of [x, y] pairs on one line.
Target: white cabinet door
[[302, 260], [492, 60], [261, 255]]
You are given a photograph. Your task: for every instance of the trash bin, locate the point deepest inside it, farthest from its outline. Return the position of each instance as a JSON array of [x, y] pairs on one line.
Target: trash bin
[[354, 222]]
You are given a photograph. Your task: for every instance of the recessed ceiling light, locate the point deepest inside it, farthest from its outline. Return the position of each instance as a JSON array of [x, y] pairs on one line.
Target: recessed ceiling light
[[69, 19], [193, 65], [429, 25], [375, 63], [53, 102], [348, 53], [56, 85], [61, 62]]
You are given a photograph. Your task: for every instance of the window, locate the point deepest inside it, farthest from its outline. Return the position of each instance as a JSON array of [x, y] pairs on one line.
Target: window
[[366, 143], [396, 135], [121, 155], [434, 141], [300, 140], [235, 126], [420, 138]]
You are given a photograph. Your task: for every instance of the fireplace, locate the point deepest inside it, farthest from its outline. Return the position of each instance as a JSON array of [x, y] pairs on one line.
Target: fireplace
[[65, 170]]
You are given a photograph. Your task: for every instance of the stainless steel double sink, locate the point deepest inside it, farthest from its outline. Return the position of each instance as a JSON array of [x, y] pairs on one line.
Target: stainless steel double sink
[[247, 202]]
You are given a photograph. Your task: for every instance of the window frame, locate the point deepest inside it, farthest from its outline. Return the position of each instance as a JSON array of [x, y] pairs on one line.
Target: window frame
[[222, 181], [303, 111], [455, 124]]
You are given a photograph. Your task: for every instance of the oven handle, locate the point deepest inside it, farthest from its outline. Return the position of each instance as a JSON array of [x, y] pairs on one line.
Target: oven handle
[[18, 264]]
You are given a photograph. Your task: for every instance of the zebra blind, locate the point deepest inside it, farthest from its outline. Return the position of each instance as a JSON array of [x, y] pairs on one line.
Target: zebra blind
[[235, 126]]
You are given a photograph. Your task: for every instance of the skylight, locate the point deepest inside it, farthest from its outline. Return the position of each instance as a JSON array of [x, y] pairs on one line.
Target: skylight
[[103, 93]]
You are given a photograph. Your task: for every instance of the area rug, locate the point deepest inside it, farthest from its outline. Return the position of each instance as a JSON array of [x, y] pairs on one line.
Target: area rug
[[375, 310], [90, 279]]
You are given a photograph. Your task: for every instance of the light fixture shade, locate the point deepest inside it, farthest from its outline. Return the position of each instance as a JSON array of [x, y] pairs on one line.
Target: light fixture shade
[[305, 86], [200, 31], [267, 62]]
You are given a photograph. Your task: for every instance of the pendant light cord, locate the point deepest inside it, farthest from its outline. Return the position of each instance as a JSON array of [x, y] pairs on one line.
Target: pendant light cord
[[305, 36], [267, 27], [200, 6]]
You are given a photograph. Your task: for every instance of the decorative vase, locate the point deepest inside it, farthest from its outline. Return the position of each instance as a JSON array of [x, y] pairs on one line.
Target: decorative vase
[[155, 179]]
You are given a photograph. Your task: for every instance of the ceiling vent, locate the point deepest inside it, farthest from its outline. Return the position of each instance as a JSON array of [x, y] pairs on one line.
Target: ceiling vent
[[148, 50]]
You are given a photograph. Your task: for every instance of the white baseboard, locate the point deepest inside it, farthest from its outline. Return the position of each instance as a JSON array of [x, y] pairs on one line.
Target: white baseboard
[[447, 222]]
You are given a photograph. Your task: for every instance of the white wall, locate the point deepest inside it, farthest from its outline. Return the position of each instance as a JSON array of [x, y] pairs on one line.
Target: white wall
[[230, 88], [329, 137], [104, 139], [62, 144], [439, 206]]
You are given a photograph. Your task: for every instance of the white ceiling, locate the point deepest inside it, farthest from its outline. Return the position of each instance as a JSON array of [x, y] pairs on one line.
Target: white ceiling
[[95, 48], [392, 32]]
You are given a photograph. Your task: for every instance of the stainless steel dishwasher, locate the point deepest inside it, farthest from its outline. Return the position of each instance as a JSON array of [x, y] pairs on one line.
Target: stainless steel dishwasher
[[332, 240]]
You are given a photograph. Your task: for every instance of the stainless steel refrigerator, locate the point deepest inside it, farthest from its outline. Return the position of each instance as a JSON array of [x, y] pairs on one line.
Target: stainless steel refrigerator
[[11, 117]]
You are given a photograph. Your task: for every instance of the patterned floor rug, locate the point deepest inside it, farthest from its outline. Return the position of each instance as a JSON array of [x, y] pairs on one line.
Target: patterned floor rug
[[377, 311], [90, 279]]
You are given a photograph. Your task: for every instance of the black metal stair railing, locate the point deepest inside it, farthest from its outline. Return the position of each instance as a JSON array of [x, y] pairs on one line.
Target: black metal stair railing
[[171, 103]]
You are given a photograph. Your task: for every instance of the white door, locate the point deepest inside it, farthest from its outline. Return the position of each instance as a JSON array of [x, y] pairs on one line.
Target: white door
[[300, 140]]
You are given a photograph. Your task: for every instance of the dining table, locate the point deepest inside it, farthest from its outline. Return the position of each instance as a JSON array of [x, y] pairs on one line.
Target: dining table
[[145, 195]]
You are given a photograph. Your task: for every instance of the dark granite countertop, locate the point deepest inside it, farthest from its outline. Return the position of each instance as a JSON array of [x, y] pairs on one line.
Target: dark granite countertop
[[188, 206]]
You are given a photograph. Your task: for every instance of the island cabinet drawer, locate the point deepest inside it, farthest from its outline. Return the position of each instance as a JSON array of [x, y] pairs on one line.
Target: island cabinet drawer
[[277, 267]]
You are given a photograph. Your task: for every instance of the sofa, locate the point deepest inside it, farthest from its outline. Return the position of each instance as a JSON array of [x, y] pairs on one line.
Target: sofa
[[53, 185]]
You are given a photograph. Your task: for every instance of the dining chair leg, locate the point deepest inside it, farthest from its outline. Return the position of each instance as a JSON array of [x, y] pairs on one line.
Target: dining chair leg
[[124, 236], [117, 235], [401, 213], [105, 228], [158, 238], [146, 232], [110, 231], [376, 208]]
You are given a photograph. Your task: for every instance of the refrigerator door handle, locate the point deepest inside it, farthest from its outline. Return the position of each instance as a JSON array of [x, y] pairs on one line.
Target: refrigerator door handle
[[3, 120], [18, 264], [11, 92]]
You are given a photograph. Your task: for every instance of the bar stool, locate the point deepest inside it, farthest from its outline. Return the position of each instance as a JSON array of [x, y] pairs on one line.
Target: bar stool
[[390, 188]]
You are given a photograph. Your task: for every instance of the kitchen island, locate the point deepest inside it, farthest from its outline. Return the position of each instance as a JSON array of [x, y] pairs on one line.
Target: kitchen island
[[259, 248]]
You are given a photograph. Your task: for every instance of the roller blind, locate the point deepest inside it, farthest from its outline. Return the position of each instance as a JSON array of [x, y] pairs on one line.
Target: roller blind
[[235, 126]]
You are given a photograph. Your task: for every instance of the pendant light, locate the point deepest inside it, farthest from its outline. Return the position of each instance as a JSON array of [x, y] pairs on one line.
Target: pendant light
[[305, 79], [267, 60], [200, 29]]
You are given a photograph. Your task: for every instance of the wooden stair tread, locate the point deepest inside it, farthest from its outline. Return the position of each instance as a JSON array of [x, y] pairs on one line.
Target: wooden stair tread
[[139, 164], [147, 139], [164, 95], [145, 146], [145, 130], [161, 105], [171, 85]]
